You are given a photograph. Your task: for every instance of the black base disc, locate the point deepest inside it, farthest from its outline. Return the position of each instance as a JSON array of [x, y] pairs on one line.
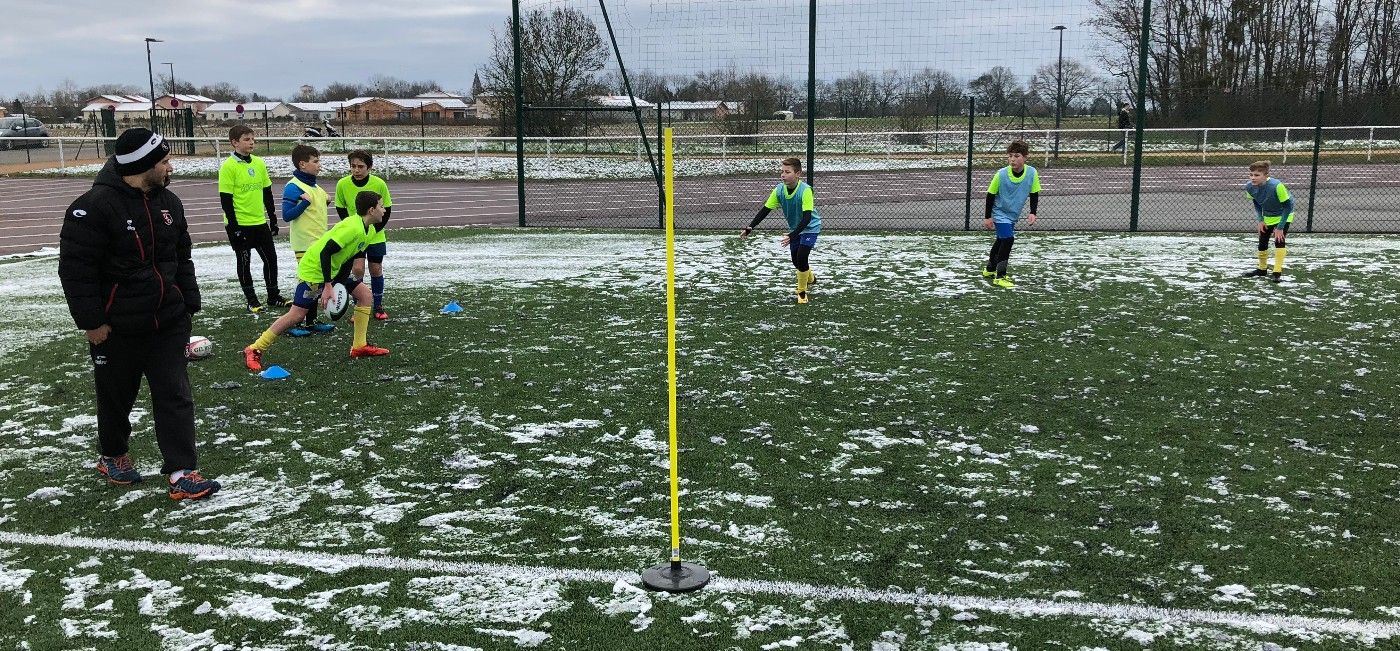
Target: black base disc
[[676, 577]]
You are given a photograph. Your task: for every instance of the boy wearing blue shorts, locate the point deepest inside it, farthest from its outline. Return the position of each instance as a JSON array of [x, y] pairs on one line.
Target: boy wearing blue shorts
[[326, 263], [798, 204], [361, 180], [1010, 188]]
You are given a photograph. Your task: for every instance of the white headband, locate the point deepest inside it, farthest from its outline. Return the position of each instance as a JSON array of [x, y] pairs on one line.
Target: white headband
[[145, 150]]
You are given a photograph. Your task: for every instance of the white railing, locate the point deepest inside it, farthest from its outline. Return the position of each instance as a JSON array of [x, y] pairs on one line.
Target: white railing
[[888, 143]]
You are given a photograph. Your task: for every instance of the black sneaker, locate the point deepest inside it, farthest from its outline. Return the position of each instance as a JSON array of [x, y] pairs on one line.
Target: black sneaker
[[1257, 273], [278, 301], [1278, 277]]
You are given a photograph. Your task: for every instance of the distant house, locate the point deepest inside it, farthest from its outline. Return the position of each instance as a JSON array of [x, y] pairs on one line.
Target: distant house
[[707, 110], [3, 112], [621, 101], [251, 111], [126, 107], [416, 109], [196, 102], [312, 111]]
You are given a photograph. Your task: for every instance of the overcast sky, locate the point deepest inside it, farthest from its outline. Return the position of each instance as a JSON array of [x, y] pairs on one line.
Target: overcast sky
[[273, 47]]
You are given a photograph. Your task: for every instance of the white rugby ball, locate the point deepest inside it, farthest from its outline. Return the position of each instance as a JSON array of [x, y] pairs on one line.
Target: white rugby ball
[[199, 348], [339, 303]]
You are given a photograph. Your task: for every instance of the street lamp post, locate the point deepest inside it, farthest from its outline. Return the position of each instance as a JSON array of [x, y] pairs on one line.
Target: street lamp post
[[1059, 87], [151, 76], [173, 87]]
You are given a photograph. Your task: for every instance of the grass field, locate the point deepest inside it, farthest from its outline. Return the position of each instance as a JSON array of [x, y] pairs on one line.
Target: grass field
[[1134, 448]]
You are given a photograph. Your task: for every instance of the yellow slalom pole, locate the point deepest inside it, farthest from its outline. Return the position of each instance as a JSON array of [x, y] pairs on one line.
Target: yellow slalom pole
[[674, 576], [669, 158]]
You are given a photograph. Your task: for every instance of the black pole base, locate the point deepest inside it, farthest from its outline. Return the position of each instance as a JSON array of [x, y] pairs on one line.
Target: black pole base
[[676, 577]]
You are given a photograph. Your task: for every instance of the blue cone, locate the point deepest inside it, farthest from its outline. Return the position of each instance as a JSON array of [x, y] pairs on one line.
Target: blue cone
[[274, 373], [451, 308]]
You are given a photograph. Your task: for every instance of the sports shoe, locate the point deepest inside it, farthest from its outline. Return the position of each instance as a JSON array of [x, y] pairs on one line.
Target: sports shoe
[[801, 298], [1278, 277], [322, 327], [278, 301], [989, 274], [1257, 273], [298, 331], [191, 486], [381, 315], [253, 358], [1003, 282], [255, 308], [120, 470], [368, 351]]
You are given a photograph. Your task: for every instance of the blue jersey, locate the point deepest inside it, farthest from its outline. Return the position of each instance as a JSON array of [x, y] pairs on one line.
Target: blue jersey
[[794, 204], [1270, 200], [1012, 193]]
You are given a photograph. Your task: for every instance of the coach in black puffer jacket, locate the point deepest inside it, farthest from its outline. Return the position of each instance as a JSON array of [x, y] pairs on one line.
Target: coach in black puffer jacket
[[124, 262], [124, 258]]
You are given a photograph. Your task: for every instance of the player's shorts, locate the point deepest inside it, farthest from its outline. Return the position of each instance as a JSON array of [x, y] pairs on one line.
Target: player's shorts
[[1005, 230], [374, 253], [1278, 222], [308, 295], [808, 240]]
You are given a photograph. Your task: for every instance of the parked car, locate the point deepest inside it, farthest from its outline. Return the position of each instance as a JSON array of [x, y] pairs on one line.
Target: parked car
[[21, 126]]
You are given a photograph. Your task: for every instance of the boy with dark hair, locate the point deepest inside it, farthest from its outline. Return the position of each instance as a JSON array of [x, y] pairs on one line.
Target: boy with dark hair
[[1273, 211], [1006, 196], [795, 198], [250, 218], [326, 263], [361, 180], [304, 208]]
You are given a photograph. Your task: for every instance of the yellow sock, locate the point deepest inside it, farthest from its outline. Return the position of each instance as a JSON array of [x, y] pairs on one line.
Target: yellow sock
[[264, 341], [1263, 259], [361, 321], [1279, 252], [801, 282]]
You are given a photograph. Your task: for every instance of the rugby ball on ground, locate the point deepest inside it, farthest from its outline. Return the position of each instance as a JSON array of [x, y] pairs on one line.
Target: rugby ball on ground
[[339, 303], [199, 348]]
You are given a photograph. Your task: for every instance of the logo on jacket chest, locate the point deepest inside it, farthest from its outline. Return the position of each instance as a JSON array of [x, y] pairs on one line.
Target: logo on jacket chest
[[165, 214], [130, 226]]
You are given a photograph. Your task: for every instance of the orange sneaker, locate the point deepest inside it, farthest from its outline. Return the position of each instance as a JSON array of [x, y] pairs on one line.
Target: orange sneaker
[[381, 315], [253, 358], [368, 351]]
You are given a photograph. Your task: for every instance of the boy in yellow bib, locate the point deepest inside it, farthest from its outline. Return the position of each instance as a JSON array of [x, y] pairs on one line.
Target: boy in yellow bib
[[327, 262], [304, 209]]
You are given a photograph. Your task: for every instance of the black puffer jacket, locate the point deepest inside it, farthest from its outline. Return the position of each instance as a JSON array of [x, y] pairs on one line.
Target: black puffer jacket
[[124, 258]]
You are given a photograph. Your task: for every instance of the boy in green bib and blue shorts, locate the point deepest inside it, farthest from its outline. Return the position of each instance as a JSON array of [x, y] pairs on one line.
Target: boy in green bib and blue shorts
[[304, 210], [361, 180], [327, 262]]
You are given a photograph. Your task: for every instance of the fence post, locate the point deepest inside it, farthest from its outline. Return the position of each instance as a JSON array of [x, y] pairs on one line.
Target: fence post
[[1317, 154], [386, 157], [1285, 145], [1047, 148], [1205, 138], [548, 157], [476, 155], [724, 147], [967, 198], [63, 167], [1370, 139]]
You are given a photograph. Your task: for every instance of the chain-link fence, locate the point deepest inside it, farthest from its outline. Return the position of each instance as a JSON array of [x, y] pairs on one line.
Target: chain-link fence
[[903, 111]]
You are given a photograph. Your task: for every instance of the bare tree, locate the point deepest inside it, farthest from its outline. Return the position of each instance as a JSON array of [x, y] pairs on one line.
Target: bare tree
[[561, 52], [1079, 83], [996, 90]]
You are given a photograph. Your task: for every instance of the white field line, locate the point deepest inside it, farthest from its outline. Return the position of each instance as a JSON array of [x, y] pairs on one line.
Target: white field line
[[328, 562]]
